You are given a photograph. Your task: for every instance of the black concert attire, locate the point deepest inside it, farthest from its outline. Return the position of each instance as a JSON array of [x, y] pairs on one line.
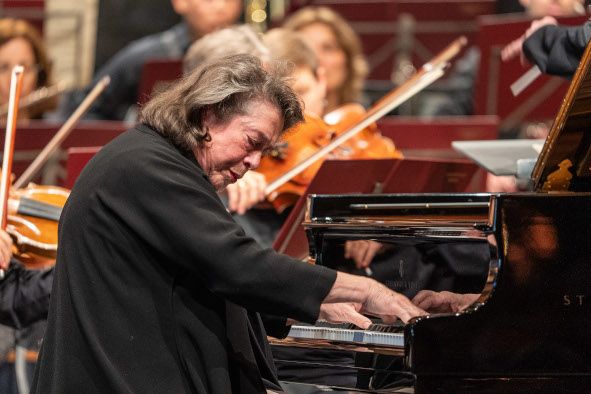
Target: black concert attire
[[24, 295], [557, 50], [155, 282]]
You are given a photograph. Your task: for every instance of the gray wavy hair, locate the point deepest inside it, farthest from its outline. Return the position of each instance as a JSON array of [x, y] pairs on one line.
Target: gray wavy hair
[[224, 86]]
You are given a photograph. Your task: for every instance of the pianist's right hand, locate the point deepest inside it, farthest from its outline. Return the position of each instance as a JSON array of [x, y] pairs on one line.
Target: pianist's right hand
[[374, 299]]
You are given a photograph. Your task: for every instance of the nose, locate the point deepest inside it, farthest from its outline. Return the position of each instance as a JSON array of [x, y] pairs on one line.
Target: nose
[[253, 160]]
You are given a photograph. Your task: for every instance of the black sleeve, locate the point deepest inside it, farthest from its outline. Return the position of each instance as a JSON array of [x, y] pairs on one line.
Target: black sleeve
[[557, 50], [24, 295], [275, 326]]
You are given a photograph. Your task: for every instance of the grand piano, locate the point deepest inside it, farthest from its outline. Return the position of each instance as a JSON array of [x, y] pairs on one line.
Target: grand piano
[[526, 257]]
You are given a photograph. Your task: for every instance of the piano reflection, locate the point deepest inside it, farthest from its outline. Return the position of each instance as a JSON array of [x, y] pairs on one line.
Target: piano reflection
[[523, 261]]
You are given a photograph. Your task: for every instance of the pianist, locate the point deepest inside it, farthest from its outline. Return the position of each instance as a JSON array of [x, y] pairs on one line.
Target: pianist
[[154, 280]]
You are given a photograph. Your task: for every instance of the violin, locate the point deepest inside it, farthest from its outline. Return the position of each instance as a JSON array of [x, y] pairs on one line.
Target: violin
[[31, 214], [32, 222], [293, 165], [306, 138]]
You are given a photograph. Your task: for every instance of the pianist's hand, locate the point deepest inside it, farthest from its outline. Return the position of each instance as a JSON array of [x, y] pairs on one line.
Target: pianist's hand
[[246, 192], [375, 299], [444, 301], [389, 305], [5, 249], [343, 313]]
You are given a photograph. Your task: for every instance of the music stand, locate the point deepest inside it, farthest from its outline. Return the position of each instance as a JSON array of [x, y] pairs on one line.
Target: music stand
[[32, 137], [156, 73], [540, 101], [77, 159], [373, 176]]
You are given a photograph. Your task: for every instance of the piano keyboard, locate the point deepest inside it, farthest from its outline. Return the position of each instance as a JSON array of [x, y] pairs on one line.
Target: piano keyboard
[[376, 334]]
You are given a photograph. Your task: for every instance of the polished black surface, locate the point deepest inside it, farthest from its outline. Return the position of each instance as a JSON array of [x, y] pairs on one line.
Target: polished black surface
[[535, 323], [529, 254]]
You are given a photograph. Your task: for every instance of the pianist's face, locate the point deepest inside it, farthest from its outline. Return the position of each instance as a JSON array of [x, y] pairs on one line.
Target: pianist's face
[[14, 52], [236, 145]]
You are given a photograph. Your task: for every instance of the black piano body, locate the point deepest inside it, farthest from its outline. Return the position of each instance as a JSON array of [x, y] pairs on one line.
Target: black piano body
[[528, 330]]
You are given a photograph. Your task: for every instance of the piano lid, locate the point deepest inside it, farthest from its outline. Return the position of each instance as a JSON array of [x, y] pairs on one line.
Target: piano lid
[[565, 161]]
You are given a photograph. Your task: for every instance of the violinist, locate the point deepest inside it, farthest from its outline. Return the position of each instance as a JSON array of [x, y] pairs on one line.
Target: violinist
[[24, 294], [307, 78], [339, 53], [20, 43]]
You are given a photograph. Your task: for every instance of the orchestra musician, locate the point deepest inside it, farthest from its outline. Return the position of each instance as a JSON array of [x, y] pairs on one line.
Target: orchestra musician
[[555, 49], [339, 53], [118, 101], [20, 43], [24, 294]]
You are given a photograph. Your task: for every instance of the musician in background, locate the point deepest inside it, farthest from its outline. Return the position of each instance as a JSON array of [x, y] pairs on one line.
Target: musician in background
[[24, 294], [462, 78], [166, 309], [24, 302], [339, 53], [20, 43], [118, 102], [556, 50], [307, 77]]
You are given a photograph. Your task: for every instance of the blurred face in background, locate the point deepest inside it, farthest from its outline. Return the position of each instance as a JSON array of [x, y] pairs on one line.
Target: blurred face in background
[[541, 8], [205, 16], [330, 55], [17, 51], [310, 88]]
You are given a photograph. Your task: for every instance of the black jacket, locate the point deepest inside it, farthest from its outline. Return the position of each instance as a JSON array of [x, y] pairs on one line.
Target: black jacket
[[155, 282], [24, 295], [558, 50]]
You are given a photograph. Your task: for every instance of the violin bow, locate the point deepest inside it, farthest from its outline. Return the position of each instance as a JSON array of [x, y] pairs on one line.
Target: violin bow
[[16, 83], [35, 97], [425, 76], [62, 133]]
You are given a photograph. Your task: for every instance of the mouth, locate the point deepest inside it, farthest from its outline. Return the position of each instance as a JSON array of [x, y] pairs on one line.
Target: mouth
[[234, 176]]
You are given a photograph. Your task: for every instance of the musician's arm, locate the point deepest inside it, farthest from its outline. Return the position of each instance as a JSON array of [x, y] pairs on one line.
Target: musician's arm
[[557, 50], [24, 295]]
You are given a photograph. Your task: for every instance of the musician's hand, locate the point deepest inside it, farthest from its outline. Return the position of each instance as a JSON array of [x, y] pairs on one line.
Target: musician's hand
[[515, 47], [445, 301], [389, 305], [5, 249], [246, 192], [362, 251], [343, 313], [504, 184]]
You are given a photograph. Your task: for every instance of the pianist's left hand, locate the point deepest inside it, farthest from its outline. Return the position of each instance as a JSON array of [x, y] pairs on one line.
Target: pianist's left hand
[[444, 301], [343, 313]]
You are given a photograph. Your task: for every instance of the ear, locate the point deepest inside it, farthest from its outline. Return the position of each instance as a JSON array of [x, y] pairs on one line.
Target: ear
[[180, 6]]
